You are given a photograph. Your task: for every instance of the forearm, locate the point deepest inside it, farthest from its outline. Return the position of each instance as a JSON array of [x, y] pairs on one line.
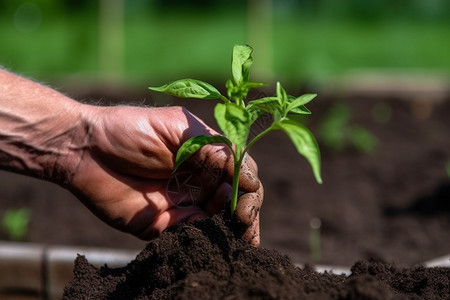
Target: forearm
[[42, 132]]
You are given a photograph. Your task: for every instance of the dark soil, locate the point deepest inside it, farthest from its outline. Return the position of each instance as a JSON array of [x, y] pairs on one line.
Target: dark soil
[[206, 261]]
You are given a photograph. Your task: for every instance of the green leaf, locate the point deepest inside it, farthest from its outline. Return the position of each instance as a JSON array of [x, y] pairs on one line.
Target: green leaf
[[304, 142], [301, 110], [235, 123], [241, 63], [194, 144], [300, 101], [254, 84], [255, 113], [189, 88], [267, 104], [236, 92], [282, 96]]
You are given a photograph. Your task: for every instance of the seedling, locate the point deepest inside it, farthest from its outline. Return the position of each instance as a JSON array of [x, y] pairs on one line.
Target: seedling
[[15, 222], [338, 132], [235, 117], [315, 238]]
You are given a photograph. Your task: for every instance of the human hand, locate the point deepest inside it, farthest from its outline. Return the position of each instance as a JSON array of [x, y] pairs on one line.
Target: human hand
[[124, 174], [119, 160]]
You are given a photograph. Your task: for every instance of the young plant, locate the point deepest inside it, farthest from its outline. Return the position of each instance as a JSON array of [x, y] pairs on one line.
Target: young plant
[[15, 222], [315, 247], [235, 117], [338, 132]]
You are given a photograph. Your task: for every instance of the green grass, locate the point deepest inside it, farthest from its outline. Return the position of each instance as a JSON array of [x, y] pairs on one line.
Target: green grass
[[58, 47], [173, 45], [325, 49]]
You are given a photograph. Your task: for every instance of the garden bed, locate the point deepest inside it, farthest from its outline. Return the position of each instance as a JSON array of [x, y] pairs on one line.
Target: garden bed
[[392, 205]]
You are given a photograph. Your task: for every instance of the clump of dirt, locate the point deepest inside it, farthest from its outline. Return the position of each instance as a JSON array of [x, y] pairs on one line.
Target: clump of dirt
[[206, 260]]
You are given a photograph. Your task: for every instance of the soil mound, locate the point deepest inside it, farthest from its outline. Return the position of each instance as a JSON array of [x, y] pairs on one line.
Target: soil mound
[[205, 260]]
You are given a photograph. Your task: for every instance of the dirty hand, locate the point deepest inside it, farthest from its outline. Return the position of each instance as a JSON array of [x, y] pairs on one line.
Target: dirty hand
[[119, 160], [125, 177]]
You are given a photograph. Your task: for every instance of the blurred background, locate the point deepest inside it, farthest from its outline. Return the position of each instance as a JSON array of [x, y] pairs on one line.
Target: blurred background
[[295, 41]]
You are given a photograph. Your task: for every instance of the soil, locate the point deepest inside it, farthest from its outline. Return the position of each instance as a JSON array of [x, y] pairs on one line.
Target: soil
[[388, 210], [206, 260]]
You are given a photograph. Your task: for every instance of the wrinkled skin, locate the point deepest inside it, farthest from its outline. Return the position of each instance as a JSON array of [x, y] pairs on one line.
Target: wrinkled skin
[[125, 174]]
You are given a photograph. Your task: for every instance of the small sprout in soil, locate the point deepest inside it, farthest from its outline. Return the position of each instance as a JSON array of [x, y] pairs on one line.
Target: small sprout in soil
[[337, 132], [315, 247], [15, 222], [235, 117]]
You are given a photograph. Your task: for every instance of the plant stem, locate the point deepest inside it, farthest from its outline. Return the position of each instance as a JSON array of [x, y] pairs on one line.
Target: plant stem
[[225, 99], [314, 238], [235, 188], [238, 158], [257, 138]]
